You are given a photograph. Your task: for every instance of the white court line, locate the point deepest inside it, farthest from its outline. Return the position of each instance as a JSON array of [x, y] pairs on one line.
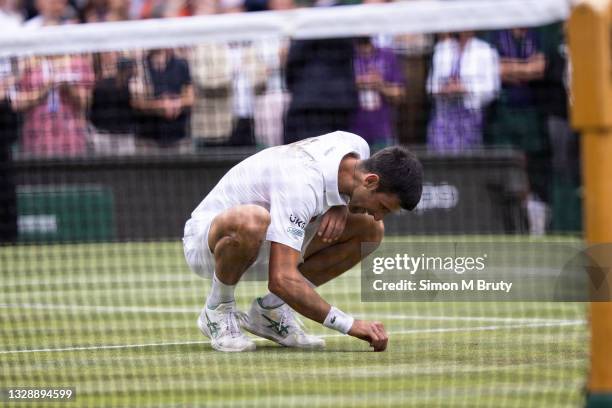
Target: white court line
[[410, 331], [463, 318], [188, 310], [101, 309], [431, 395], [379, 371], [18, 282]]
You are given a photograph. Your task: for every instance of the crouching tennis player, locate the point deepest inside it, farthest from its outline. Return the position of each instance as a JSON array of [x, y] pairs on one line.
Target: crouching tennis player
[[303, 210]]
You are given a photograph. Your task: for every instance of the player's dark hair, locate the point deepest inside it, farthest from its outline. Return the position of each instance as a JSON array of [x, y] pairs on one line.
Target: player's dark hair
[[400, 173]]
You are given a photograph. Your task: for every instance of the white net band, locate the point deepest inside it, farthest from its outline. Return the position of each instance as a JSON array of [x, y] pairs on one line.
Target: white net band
[[402, 17]]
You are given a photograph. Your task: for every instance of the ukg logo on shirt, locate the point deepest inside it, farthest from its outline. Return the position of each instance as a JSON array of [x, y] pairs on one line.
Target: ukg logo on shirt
[[296, 221]]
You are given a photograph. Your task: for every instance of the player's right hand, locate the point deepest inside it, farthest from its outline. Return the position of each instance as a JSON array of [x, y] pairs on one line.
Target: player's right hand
[[372, 332]]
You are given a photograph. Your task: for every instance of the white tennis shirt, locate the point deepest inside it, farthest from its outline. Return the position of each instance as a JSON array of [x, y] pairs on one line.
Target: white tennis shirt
[[296, 183]]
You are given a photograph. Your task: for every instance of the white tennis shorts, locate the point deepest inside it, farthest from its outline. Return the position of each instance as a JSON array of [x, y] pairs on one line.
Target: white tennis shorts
[[202, 261]]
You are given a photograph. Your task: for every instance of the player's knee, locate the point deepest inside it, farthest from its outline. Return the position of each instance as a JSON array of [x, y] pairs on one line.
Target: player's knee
[[374, 232], [253, 224]]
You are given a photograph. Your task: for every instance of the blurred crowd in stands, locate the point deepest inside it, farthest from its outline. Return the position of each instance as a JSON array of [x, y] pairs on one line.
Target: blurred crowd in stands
[[451, 92]]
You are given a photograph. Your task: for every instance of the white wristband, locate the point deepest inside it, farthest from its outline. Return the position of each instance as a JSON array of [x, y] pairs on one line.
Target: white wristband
[[338, 320]]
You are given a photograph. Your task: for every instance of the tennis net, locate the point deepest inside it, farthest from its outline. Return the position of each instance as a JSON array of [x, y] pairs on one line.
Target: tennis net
[[113, 133]]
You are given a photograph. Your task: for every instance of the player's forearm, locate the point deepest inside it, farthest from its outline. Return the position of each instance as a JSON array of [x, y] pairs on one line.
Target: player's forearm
[[294, 290], [286, 282]]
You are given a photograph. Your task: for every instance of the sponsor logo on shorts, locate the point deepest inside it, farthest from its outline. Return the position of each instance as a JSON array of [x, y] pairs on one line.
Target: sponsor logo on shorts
[[295, 232]]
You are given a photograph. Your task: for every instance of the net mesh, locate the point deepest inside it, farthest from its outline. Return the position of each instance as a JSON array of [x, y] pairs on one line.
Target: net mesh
[[113, 133]]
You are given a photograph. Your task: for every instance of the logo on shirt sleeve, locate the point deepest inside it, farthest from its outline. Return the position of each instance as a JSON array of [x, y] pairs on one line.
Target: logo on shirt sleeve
[[296, 230], [297, 221]]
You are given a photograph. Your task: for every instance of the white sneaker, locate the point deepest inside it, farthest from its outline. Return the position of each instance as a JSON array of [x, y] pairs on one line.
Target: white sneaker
[[221, 326], [281, 325]]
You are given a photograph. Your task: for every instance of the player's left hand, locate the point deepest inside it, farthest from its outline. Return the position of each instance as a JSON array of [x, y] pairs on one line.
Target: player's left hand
[[333, 223]]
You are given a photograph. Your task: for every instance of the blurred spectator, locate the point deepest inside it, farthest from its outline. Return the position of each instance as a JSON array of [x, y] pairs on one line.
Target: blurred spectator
[[163, 95], [380, 83], [464, 79], [320, 77], [111, 111], [517, 119], [203, 7], [11, 14], [151, 9], [52, 12], [280, 5], [565, 157], [271, 106], [106, 10], [135, 7], [176, 8], [230, 6], [8, 136], [166, 8], [212, 119], [256, 5], [53, 94], [227, 77], [29, 9], [95, 11], [248, 80]]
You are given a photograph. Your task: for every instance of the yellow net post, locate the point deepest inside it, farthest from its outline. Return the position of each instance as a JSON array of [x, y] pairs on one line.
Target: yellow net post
[[590, 40]]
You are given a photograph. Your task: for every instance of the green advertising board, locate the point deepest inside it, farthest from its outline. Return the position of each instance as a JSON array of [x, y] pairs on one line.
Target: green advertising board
[[65, 213]]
